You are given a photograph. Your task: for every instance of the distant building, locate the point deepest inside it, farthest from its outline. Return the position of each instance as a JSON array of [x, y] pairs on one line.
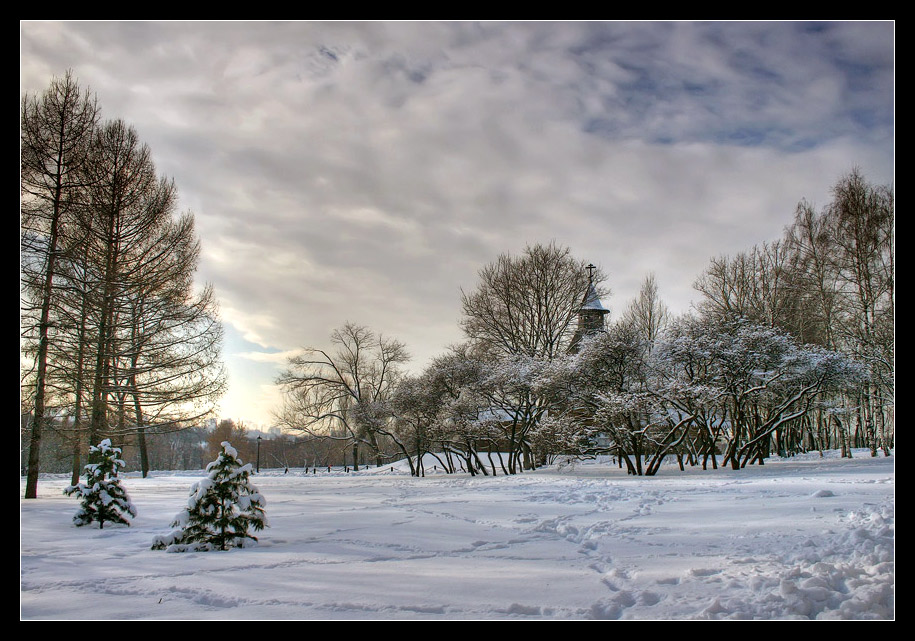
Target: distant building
[[590, 314]]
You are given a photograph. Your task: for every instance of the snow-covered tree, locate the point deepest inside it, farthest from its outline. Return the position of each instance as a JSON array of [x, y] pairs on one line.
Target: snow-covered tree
[[103, 498], [221, 511], [830, 282], [758, 380], [707, 382]]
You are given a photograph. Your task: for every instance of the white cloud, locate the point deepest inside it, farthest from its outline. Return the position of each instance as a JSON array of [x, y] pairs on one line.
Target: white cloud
[[365, 171], [278, 358]]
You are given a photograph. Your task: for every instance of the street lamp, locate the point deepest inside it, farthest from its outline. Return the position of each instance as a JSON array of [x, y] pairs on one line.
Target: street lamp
[[258, 470]]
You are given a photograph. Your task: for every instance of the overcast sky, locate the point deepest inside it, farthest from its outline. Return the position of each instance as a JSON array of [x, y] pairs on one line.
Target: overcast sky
[[365, 172]]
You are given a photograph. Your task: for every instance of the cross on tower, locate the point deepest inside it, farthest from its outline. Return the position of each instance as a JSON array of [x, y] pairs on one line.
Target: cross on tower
[[590, 269]]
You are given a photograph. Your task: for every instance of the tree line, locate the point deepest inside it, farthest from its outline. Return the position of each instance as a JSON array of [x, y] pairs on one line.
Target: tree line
[[116, 340], [829, 282], [790, 348]]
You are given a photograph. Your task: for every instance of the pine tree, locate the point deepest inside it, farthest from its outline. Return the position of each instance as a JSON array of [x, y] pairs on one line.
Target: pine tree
[[103, 498], [221, 510]]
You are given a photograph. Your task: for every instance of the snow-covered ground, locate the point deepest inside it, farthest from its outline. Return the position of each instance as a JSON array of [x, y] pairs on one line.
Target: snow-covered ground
[[799, 538]]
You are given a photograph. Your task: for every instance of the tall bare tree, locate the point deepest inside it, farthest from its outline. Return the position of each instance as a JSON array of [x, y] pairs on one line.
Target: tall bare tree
[[129, 203], [170, 363], [647, 313], [56, 130], [863, 217], [125, 341], [811, 240], [524, 310]]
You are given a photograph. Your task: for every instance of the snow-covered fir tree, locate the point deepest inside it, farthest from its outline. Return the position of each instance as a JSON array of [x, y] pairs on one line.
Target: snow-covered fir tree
[[221, 511], [103, 498]]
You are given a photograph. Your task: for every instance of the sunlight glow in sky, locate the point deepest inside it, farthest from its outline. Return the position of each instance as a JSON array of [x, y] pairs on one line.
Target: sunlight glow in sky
[[365, 172]]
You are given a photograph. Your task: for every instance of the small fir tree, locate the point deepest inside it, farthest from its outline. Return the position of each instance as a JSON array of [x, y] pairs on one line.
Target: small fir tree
[[103, 498], [221, 510]]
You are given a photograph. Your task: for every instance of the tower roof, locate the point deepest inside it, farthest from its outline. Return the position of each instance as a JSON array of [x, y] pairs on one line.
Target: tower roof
[[592, 302]]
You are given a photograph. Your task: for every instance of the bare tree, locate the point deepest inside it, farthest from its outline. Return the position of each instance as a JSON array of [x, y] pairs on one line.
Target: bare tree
[[170, 362], [527, 304], [55, 133], [811, 240], [114, 333], [343, 394], [647, 312], [757, 284], [128, 203], [863, 220], [415, 410], [134, 344], [844, 279]]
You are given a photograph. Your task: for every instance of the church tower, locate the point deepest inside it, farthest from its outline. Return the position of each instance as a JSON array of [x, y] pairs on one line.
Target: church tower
[[590, 314]]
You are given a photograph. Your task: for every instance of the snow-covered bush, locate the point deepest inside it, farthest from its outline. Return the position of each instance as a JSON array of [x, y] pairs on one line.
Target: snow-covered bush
[[221, 509], [103, 498]]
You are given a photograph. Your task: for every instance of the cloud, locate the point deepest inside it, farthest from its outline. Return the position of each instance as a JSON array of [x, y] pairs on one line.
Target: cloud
[[269, 357], [366, 171]]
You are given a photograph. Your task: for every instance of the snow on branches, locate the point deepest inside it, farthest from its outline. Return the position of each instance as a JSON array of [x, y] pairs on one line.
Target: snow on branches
[[702, 383], [221, 509], [102, 497]]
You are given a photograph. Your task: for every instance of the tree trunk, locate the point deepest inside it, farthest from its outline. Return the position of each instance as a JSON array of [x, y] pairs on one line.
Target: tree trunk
[[31, 483]]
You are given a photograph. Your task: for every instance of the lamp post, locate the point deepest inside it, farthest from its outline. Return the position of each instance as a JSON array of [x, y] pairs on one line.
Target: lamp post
[[258, 469]]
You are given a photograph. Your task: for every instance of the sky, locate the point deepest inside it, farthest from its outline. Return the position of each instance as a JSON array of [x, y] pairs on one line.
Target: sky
[[366, 171]]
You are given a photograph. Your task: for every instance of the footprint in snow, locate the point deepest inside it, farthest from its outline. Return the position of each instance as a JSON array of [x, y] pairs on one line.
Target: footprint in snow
[[517, 608], [648, 598]]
